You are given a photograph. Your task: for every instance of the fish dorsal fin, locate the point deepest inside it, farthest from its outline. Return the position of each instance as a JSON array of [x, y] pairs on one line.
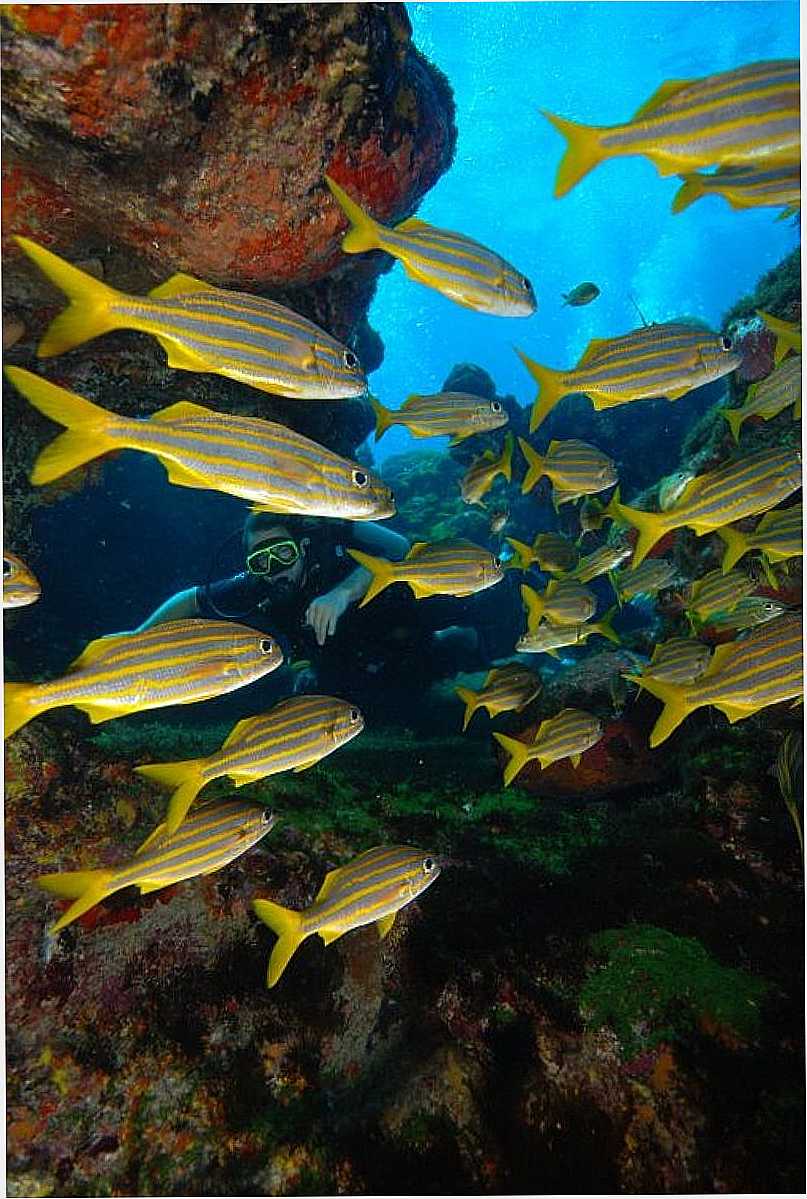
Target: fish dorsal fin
[[417, 549], [489, 456], [238, 731], [92, 652], [410, 400], [183, 410], [551, 589], [594, 347], [411, 224], [550, 449], [384, 925], [660, 96], [180, 285], [328, 884], [718, 659]]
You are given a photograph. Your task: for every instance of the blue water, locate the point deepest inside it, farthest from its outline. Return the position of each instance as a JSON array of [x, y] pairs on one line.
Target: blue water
[[595, 63]]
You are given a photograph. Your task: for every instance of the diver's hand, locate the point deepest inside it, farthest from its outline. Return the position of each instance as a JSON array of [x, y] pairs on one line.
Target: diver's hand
[[324, 612]]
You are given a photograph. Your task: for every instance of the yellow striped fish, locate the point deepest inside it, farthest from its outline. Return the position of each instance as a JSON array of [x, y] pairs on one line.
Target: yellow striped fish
[[20, 585], [549, 638], [599, 562], [371, 889], [452, 414], [788, 334], [207, 329], [216, 834], [505, 689], [565, 601], [719, 497], [574, 467], [567, 735], [654, 362], [481, 474], [770, 396], [742, 678], [652, 576], [716, 592], [178, 662], [433, 568], [551, 551], [753, 186], [746, 115], [257, 460], [294, 735], [790, 777], [752, 610], [677, 660], [456, 266], [778, 536]]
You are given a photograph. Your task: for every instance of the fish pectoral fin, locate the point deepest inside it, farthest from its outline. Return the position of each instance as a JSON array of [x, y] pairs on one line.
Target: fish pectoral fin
[[331, 934], [660, 96], [384, 925], [180, 285], [180, 358], [302, 352]]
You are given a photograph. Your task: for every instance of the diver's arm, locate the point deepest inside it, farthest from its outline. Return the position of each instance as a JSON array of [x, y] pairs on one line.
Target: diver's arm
[[181, 606]]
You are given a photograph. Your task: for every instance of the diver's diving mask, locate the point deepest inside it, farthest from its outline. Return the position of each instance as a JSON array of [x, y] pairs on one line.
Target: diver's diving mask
[[272, 557]]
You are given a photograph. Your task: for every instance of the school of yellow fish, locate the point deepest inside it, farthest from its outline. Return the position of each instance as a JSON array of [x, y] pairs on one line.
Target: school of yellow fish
[[742, 126]]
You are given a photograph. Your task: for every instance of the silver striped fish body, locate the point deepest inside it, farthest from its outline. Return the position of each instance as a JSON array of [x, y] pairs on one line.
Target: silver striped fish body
[[751, 611], [460, 268], [653, 575], [777, 392], [718, 592], [599, 562], [554, 553], [737, 489], [678, 660], [577, 468], [448, 568], [371, 888], [178, 662], [508, 689], [246, 338], [746, 115], [483, 471], [548, 637], [764, 668], [449, 414], [20, 585], [657, 361], [566, 735], [752, 186], [564, 602], [260, 461], [295, 734]]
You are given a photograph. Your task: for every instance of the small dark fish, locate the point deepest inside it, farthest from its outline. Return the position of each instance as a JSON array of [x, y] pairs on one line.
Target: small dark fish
[[584, 293], [498, 519]]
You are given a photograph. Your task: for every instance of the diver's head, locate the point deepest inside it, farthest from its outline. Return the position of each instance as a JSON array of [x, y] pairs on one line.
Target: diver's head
[[276, 551]]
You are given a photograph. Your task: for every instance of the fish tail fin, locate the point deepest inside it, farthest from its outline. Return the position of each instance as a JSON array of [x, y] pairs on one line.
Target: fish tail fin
[[605, 626], [651, 527], [676, 708], [736, 546], [506, 463], [87, 434], [17, 706], [469, 698], [363, 232], [535, 603], [516, 756], [535, 466], [86, 887], [186, 777], [583, 152], [379, 568], [612, 507], [550, 389], [691, 191], [88, 314], [383, 418], [288, 926], [734, 417]]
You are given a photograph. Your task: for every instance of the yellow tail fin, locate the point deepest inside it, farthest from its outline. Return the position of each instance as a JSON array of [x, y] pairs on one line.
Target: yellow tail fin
[[651, 525], [582, 153], [736, 546], [691, 191], [517, 756], [363, 233], [535, 603], [88, 426], [288, 926], [87, 316], [535, 466], [735, 418], [18, 709], [606, 628], [379, 568], [186, 777], [469, 698], [550, 390], [676, 708], [383, 418], [87, 887], [523, 553]]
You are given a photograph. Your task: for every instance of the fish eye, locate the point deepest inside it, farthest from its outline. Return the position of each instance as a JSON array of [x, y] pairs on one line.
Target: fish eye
[[524, 283], [360, 478], [7, 568], [355, 715], [495, 406], [428, 865], [726, 342], [496, 561], [266, 816], [266, 645], [350, 360]]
